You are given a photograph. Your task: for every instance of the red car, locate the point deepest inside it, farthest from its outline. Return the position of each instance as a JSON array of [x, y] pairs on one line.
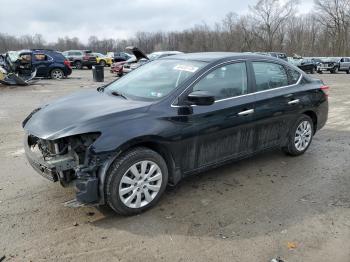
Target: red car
[[117, 68]]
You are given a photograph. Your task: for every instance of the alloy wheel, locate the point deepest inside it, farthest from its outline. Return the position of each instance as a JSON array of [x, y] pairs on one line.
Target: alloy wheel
[[140, 184], [57, 74], [303, 136]]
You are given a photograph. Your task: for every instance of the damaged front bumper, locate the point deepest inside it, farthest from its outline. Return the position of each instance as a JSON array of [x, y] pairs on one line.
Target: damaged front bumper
[[64, 166], [12, 79]]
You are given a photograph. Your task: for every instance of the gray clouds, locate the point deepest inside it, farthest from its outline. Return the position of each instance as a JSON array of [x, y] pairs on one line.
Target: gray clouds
[[112, 19]]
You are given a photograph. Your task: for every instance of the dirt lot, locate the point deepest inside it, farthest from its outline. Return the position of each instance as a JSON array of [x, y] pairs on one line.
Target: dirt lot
[[247, 211]]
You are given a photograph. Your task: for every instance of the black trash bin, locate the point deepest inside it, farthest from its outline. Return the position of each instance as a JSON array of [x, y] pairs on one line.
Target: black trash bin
[[98, 73]]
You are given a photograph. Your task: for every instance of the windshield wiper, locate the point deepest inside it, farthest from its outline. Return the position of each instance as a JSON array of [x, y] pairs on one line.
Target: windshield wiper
[[116, 93]]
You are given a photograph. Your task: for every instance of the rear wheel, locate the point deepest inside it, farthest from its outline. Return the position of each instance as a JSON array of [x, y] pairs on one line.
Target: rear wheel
[[348, 71], [135, 181], [89, 67], [57, 73], [300, 137], [78, 65]]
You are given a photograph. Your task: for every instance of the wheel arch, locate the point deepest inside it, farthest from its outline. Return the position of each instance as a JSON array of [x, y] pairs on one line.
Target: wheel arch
[[56, 67], [173, 172], [313, 116]]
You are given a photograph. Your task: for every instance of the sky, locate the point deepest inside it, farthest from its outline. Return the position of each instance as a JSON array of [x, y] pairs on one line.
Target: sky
[[114, 18]]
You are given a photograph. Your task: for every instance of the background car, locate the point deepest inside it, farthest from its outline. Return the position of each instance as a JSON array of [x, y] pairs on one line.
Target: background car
[[344, 64], [47, 63], [279, 55], [103, 60], [308, 65], [119, 56], [140, 58], [117, 67], [80, 58]]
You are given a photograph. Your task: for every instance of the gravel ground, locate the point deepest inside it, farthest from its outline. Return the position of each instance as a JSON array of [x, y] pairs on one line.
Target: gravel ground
[[254, 210]]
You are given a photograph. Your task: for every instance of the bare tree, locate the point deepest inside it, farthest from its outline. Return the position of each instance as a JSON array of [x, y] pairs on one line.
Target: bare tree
[[271, 25], [269, 18], [334, 15]]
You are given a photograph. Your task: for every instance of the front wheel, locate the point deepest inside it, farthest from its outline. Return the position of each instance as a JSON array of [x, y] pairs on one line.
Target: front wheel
[[78, 65], [135, 181], [300, 137]]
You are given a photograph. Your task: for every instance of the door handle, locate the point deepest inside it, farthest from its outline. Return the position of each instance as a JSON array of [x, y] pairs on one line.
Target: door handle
[[246, 112], [294, 102]]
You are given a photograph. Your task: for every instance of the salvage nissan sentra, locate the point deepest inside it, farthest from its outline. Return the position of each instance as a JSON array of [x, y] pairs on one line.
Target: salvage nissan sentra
[[123, 143]]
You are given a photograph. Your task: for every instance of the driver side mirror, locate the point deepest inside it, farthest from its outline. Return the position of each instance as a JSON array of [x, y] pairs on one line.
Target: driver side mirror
[[201, 98]]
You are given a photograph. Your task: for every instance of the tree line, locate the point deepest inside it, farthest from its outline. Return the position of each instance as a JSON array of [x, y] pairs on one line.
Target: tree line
[[270, 25]]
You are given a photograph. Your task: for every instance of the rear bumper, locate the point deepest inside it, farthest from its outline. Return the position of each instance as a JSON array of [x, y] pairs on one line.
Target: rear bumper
[[68, 71], [322, 115]]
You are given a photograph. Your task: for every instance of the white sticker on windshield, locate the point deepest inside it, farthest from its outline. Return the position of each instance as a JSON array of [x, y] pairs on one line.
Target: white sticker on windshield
[[187, 68]]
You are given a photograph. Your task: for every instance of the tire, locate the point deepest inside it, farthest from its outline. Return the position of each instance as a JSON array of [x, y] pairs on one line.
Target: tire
[[57, 73], [78, 65], [89, 67], [305, 125], [120, 176], [320, 72], [335, 70], [348, 71], [312, 71], [103, 63]]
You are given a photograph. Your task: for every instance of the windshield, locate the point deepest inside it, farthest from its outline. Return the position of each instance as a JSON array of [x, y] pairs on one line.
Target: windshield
[[155, 79]]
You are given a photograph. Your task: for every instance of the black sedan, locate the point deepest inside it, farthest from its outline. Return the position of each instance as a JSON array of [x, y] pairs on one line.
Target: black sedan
[[309, 65], [123, 143]]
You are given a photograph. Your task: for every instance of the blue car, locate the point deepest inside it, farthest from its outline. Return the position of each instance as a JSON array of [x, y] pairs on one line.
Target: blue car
[[46, 63]]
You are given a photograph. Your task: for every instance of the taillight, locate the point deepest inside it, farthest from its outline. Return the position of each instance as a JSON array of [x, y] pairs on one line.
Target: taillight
[[67, 63], [325, 90]]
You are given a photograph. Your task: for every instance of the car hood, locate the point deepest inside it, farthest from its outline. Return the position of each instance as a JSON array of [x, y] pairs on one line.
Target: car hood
[[137, 53], [82, 112]]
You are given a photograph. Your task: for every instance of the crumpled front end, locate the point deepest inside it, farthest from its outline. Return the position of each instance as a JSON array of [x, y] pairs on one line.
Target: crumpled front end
[[67, 160]]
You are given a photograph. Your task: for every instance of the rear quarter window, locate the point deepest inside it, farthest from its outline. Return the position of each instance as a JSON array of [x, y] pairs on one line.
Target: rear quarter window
[[293, 76], [57, 56]]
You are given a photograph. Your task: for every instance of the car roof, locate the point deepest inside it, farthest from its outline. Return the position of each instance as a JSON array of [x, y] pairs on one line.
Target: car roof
[[210, 57]]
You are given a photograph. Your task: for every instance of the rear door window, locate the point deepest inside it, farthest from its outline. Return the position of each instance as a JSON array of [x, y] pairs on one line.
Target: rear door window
[[269, 75], [41, 57]]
